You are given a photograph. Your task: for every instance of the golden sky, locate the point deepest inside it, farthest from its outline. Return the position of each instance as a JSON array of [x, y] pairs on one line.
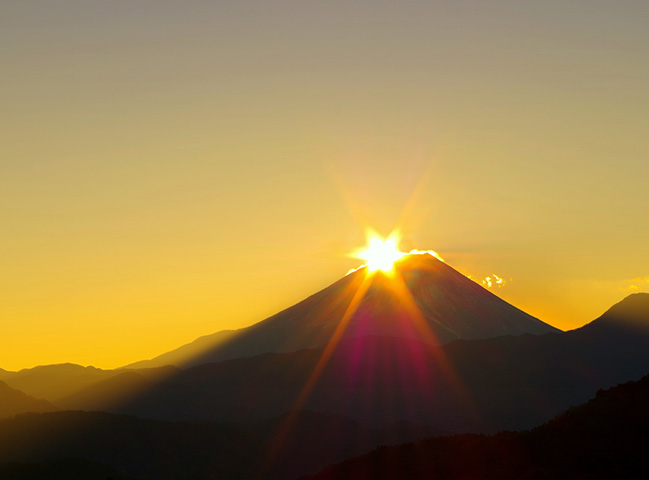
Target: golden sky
[[171, 169]]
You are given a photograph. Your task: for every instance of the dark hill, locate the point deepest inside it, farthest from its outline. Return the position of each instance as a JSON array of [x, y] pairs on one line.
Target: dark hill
[[60, 469], [603, 439], [148, 449]]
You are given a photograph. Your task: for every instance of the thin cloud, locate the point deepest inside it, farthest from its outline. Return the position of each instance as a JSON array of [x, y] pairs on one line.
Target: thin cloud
[[635, 284], [639, 279]]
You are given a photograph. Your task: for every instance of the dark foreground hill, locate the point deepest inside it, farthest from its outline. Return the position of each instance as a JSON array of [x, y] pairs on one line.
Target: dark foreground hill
[[284, 447], [606, 438], [59, 469]]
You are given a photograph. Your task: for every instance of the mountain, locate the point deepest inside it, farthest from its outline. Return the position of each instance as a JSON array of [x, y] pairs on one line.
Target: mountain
[[604, 438], [13, 402], [60, 383], [426, 299], [627, 316], [52, 382]]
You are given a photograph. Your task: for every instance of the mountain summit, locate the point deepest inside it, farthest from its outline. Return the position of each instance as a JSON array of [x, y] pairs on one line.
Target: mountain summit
[[423, 299]]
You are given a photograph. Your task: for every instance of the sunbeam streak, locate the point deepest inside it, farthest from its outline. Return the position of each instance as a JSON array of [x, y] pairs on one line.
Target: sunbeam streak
[[288, 423], [418, 321]]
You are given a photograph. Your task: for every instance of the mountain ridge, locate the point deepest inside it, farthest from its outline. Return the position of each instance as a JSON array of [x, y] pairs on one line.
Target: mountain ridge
[[603, 438], [14, 402]]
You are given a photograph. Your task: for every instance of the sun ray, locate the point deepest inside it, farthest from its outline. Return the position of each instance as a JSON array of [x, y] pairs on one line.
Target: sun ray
[[399, 286], [288, 423]]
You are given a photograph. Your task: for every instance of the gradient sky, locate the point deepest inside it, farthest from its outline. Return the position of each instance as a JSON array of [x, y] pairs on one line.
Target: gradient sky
[[170, 169]]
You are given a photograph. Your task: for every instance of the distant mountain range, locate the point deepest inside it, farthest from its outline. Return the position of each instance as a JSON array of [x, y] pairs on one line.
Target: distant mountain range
[[56, 383]]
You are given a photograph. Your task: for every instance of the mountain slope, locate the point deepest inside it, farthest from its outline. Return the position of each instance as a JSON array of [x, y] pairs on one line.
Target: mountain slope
[[425, 300], [627, 316], [186, 353], [116, 389], [605, 438], [14, 401], [104, 394]]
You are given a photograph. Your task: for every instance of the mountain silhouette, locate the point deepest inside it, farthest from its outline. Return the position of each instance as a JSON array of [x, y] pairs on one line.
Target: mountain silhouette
[[52, 382], [602, 439], [60, 383], [626, 317], [426, 300], [14, 401]]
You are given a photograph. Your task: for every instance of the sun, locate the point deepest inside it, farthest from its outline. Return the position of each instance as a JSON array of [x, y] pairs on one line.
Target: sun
[[381, 254]]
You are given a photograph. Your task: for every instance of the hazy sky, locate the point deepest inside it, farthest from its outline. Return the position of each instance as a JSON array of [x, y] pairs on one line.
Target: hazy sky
[[170, 169]]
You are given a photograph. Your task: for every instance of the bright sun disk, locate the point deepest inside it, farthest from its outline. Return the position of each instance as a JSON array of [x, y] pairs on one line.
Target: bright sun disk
[[381, 254]]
